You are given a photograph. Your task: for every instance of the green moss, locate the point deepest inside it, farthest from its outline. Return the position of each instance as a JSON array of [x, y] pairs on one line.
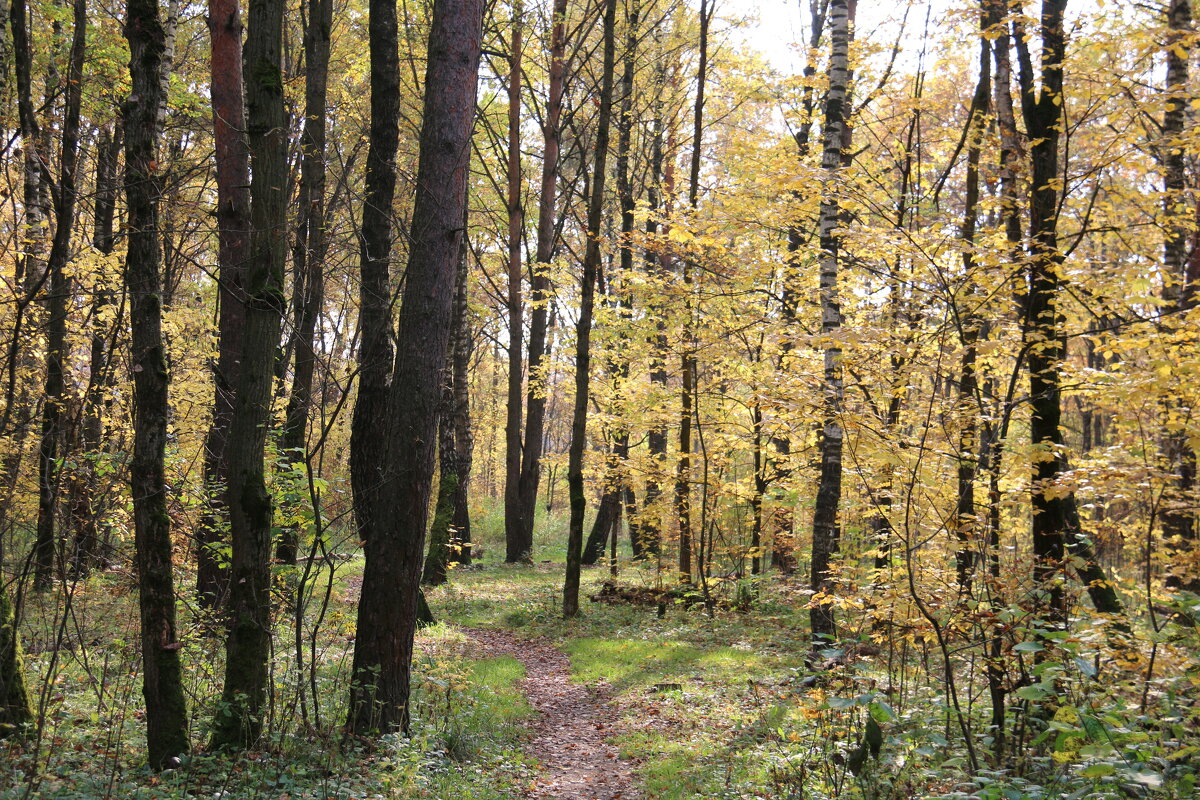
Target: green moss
[[15, 708]]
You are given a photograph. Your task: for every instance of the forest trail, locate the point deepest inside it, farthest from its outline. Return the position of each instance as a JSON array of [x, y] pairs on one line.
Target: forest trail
[[571, 726]]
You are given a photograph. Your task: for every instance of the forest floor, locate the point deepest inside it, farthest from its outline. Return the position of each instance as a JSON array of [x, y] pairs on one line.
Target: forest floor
[[626, 702], [572, 726]]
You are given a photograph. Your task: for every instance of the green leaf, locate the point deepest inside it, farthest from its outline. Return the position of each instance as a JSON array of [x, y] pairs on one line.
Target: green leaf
[[882, 712]]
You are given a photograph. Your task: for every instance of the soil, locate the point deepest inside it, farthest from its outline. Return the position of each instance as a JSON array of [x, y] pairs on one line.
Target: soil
[[571, 727]]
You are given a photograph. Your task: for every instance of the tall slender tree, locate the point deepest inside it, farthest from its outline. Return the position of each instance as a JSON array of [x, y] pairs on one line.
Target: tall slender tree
[[367, 447], [1179, 515], [387, 610], [233, 257], [539, 284], [1041, 106], [308, 252], [835, 143], [15, 708], [516, 546], [239, 720], [64, 193], [162, 686], [687, 382], [583, 328]]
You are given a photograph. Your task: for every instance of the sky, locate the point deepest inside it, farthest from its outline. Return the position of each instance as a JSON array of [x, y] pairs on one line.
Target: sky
[[781, 24]]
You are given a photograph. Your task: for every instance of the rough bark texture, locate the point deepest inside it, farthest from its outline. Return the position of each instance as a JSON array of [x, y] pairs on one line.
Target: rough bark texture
[[516, 546], [656, 436], [683, 474], [233, 256], [966, 525], [387, 613], [1042, 322], [367, 446], [583, 328], [464, 440], [1056, 526], [64, 193], [1179, 512], [826, 530], [16, 711], [166, 712], [539, 286], [87, 507], [239, 720], [308, 283], [449, 533]]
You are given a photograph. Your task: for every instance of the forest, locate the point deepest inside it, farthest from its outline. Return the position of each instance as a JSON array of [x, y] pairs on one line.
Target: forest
[[599, 399]]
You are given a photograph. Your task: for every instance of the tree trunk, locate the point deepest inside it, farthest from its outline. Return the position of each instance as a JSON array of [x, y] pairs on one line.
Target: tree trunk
[[64, 194], [539, 286], [583, 328], [1179, 515], [683, 476], [309, 251], [1042, 322], [233, 257], [15, 709], [446, 542], [461, 408], [826, 530], [87, 511], [516, 547], [239, 720], [388, 609], [656, 436], [966, 526], [166, 712], [367, 446]]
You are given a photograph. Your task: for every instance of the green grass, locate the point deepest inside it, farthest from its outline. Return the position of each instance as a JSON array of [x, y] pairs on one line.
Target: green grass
[[710, 705]]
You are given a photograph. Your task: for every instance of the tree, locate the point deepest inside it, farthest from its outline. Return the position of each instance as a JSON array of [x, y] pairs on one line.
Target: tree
[[835, 143], [517, 545], [162, 686], [367, 447], [539, 284], [1179, 287], [387, 610], [583, 328], [308, 283], [238, 722], [233, 256], [64, 196], [450, 531]]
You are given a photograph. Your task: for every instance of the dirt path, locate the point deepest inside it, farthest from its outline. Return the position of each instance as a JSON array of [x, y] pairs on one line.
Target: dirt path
[[571, 726]]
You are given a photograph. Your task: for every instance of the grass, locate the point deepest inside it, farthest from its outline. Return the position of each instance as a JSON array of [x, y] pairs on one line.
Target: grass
[[716, 705]]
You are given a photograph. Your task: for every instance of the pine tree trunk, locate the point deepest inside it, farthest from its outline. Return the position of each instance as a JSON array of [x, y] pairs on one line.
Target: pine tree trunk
[[233, 256], [16, 711], [367, 446], [239, 721], [162, 687], [1042, 323], [583, 328], [387, 611], [446, 537], [966, 525]]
